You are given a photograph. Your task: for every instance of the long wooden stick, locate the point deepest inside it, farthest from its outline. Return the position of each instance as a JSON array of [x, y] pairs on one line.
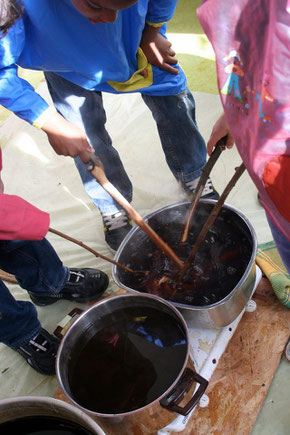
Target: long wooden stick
[[212, 217], [97, 170], [220, 146], [11, 279], [97, 254]]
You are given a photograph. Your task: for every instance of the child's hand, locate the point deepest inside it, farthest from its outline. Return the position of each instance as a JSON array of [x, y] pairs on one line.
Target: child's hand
[[66, 138], [158, 49], [220, 129]]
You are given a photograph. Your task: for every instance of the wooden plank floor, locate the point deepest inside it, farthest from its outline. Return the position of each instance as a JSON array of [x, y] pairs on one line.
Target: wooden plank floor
[[240, 382]]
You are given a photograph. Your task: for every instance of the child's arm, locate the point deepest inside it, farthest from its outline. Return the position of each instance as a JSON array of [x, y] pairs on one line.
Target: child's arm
[[160, 11], [17, 94], [158, 49], [21, 220], [155, 46], [66, 138], [20, 97], [220, 129]]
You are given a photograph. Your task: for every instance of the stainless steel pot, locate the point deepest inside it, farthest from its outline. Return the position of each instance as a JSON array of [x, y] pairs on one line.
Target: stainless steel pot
[[134, 350], [27, 407], [168, 222]]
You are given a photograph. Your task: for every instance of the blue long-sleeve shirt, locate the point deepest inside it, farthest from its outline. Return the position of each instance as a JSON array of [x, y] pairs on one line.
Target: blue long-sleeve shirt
[[53, 36]]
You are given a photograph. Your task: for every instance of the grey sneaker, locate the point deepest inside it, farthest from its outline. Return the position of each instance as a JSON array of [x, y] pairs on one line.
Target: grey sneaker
[[116, 227], [208, 192]]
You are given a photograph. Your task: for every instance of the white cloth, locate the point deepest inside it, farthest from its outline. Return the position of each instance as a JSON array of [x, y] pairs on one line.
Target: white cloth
[[33, 171]]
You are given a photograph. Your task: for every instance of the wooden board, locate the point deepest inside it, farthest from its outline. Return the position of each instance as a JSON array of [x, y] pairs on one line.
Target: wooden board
[[240, 382]]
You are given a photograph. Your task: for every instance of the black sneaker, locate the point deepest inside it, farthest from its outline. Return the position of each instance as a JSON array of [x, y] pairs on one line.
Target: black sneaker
[[40, 352], [208, 192], [83, 285], [116, 227]]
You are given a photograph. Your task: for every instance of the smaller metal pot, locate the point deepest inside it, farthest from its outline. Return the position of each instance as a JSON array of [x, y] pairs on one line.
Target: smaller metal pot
[[124, 354]]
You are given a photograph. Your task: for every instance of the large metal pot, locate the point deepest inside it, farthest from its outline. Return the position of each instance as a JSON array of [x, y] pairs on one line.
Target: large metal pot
[[136, 252], [124, 354], [34, 414]]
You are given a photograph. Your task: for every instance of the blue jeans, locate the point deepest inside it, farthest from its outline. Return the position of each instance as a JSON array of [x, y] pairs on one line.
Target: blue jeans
[[37, 268], [282, 244], [182, 143]]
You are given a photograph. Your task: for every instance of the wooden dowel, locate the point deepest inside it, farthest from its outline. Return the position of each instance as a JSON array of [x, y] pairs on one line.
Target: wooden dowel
[[97, 170], [220, 146], [97, 254], [8, 278], [212, 217]]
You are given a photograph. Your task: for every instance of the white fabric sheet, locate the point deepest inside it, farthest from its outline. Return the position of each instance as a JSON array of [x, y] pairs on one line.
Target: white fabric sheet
[[32, 170]]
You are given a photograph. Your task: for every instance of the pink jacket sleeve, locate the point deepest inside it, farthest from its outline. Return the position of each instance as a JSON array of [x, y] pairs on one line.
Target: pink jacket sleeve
[[20, 220]]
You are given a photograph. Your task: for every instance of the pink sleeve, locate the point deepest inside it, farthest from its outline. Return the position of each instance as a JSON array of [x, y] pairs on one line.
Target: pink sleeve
[[1, 182], [21, 220]]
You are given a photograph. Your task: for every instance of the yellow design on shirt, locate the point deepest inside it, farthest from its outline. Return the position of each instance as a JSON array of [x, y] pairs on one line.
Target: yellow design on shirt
[[41, 120], [155, 24], [137, 80]]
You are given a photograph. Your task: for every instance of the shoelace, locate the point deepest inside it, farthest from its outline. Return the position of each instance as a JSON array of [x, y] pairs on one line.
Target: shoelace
[[39, 345], [208, 188], [75, 277], [192, 185], [116, 220]]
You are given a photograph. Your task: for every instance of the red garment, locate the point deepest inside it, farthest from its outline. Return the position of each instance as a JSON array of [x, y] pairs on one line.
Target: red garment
[[251, 40], [20, 220]]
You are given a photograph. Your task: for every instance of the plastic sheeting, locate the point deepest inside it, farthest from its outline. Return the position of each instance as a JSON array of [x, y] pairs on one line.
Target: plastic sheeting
[[32, 170]]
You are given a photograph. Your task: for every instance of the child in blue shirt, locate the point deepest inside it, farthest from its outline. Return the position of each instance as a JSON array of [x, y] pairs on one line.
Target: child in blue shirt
[[86, 47]]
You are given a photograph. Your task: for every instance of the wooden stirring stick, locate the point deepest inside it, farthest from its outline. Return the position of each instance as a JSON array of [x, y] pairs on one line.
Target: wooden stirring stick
[[97, 170], [11, 278], [220, 146], [212, 217], [97, 254]]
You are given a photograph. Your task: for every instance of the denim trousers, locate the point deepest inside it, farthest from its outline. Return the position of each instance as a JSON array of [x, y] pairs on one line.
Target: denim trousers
[[182, 143], [37, 268]]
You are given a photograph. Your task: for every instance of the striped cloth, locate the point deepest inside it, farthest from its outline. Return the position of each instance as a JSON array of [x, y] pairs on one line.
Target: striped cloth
[[269, 261]]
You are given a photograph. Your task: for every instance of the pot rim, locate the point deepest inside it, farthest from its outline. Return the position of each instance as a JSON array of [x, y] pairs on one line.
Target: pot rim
[[177, 304], [56, 405], [94, 307]]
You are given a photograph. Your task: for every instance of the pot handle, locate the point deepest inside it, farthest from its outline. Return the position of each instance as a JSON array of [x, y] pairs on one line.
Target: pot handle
[[183, 385], [66, 322]]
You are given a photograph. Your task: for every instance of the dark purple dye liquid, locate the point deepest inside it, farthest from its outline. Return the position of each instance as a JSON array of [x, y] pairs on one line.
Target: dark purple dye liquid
[[217, 267], [42, 425], [132, 360]]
